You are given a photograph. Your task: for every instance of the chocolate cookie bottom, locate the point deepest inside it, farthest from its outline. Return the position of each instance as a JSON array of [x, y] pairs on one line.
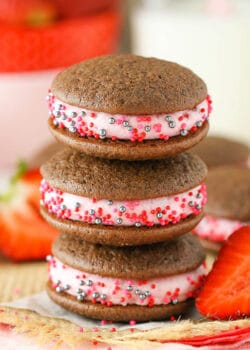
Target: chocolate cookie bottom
[[121, 235], [117, 313], [128, 150]]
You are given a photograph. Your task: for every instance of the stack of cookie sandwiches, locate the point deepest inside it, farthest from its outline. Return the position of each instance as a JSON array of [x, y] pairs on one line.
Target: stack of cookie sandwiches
[[124, 193]]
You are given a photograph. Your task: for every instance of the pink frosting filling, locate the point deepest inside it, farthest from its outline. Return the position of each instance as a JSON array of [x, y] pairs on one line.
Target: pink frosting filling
[[117, 291], [217, 229], [86, 123], [148, 212]]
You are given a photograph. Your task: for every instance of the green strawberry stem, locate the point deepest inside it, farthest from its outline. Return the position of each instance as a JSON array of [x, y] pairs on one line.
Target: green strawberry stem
[[10, 191]]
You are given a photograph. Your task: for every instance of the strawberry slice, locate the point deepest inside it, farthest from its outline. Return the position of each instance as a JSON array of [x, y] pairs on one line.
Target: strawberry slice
[[226, 293], [24, 235]]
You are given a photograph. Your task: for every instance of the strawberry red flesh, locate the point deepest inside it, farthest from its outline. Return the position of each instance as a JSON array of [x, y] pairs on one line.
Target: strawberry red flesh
[[226, 293], [24, 235]]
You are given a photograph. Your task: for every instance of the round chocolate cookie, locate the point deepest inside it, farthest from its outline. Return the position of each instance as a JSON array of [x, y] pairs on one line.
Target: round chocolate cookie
[[228, 206], [128, 107], [141, 283], [228, 193], [123, 203], [218, 151]]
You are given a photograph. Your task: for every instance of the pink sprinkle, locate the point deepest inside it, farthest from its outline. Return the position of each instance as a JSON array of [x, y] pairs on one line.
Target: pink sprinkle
[[132, 322], [80, 329], [103, 322]]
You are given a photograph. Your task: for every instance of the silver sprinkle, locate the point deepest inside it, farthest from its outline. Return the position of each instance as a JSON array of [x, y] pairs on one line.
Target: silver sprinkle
[[73, 114], [125, 123], [64, 117], [67, 287], [49, 258], [72, 123], [122, 209], [58, 114], [199, 124], [130, 288], [110, 202], [55, 122], [102, 133], [198, 195], [142, 296], [59, 289], [159, 215], [183, 132], [174, 301], [172, 124], [89, 283], [168, 118], [137, 292], [79, 291], [130, 128], [58, 282], [82, 283], [137, 224], [63, 207], [72, 129], [95, 295], [198, 206], [80, 297], [147, 128], [91, 212], [111, 120], [191, 203], [119, 221], [98, 221], [77, 205], [148, 293], [83, 113], [103, 296]]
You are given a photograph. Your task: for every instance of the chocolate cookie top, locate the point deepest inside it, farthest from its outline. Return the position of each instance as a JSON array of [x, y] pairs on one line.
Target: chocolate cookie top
[[216, 151], [85, 176], [228, 193], [129, 84], [143, 262]]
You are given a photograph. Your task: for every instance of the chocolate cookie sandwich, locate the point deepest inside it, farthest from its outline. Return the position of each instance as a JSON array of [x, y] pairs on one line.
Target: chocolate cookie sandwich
[[123, 203], [131, 283], [228, 206], [128, 107], [218, 151]]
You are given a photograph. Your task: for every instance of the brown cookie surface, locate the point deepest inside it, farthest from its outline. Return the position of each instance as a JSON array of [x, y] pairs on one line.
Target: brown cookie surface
[[218, 151], [129, 84], [228, 193], [76, 173], [141, 262], [122, 235], [117, 313], [127, 150]]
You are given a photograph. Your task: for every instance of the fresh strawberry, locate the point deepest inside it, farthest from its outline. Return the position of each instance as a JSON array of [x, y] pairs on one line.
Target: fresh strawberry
[[66, 8], [226, 293], [24, 235], [29, 12]]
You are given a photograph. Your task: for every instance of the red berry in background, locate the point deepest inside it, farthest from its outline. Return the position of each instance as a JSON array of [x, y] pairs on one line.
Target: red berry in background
[[27, 12], [24, 235]]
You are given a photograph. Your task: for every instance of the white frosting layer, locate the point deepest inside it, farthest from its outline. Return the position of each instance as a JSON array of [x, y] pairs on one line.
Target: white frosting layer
[[148, 212], [102, 125], [217, 229], [117, 291]]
